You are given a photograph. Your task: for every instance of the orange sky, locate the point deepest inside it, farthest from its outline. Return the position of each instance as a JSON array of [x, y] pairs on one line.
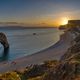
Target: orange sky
[[48, 13]]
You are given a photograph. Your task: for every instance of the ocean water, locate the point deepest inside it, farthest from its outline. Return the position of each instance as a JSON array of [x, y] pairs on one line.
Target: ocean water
[[22, 41]]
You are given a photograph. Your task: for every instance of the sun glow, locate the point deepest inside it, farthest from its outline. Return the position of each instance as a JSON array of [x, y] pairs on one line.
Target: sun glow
[[64, 21]]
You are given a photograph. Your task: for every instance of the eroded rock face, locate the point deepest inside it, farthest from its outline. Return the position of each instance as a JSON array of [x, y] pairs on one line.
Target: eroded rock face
[[69, 65], [3, 40], [69, 68]]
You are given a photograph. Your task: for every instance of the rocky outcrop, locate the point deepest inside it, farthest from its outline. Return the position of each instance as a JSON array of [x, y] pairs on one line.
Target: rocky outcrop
[[3, 40], [69, 68], [69, 64]]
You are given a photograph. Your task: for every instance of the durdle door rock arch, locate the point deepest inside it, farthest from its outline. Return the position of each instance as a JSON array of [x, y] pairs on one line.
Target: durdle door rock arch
[[3, 40]]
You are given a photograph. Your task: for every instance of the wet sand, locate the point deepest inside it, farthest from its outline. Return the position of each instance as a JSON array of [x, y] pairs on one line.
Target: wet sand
[[51, 53]]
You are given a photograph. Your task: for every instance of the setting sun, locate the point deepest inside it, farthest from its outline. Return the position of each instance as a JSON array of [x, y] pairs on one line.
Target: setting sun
[[64, 21]]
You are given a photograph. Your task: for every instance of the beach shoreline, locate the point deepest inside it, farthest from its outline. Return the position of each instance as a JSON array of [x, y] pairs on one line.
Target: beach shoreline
[[51, 53]]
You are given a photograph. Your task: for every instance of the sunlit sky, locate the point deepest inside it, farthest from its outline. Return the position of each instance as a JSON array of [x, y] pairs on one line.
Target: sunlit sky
[[39, 12]]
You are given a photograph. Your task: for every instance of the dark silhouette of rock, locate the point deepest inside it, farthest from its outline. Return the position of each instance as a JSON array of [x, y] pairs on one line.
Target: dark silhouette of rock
[[34, 33], [3, 40]]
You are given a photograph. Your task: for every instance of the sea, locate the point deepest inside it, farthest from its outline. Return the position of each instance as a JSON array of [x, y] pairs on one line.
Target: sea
[[24, 41]]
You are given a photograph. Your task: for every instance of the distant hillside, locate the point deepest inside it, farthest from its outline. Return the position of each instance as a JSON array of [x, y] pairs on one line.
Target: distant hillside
[[22, 27]]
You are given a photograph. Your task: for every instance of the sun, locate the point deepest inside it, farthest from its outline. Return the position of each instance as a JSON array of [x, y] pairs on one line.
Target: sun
[[64, 21]]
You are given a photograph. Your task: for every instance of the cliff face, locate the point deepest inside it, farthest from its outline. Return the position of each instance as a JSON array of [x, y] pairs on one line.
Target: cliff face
[[69, 69], [69, 65]]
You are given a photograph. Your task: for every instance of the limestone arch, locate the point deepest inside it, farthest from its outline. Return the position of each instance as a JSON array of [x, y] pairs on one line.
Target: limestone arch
[[4, 41]]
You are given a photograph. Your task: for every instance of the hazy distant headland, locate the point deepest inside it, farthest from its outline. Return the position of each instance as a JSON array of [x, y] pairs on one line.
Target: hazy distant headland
[[16, 25], [22, 27]]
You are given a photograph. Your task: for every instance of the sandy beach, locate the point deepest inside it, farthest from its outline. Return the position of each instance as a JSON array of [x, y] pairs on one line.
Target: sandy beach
[[51, 53]]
